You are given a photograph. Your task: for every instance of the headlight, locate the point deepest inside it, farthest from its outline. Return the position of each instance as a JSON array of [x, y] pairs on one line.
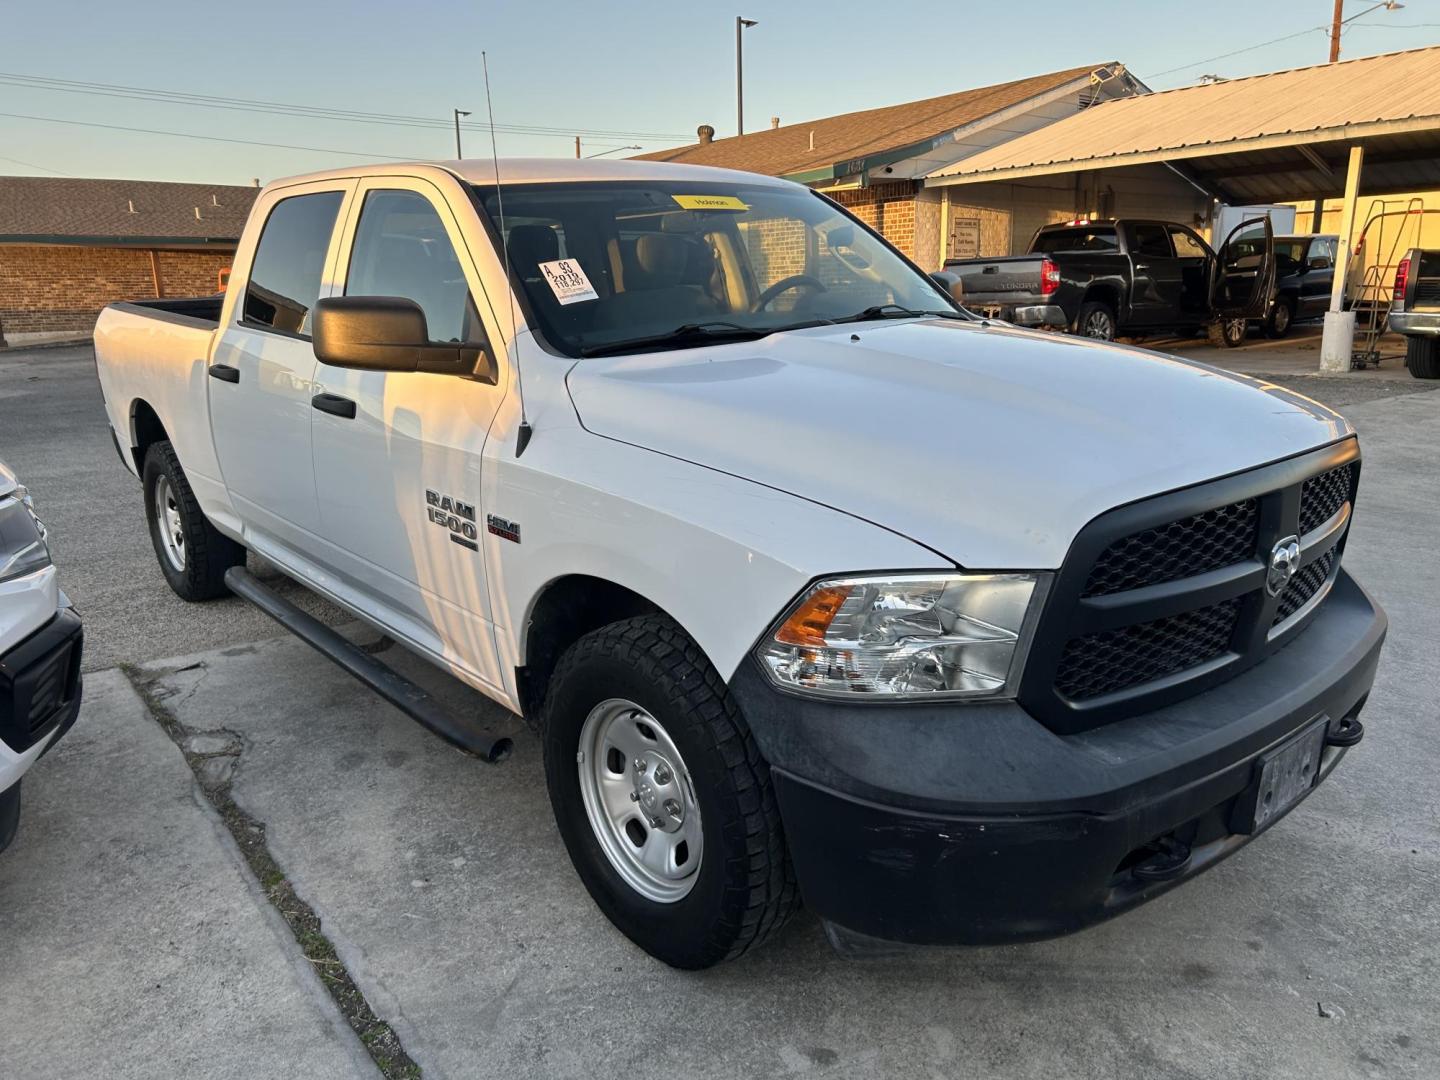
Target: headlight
[[951, 635], [22, 537]]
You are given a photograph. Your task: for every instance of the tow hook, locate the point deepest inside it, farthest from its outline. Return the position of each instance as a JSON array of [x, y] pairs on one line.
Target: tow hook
[[1347, 731], [1167, 859]]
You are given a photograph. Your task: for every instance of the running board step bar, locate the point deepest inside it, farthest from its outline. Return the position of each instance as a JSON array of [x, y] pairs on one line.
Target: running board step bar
[[407, 696]]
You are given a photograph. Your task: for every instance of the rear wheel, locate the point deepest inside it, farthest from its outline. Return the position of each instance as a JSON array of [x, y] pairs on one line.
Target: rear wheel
[[192, 553], [1096, 320], [661, 795], [1422, 357], [1282, 315]]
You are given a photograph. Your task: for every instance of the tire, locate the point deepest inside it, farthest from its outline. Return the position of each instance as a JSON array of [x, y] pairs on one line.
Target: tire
[[9, 814], [192, 553], [1096, 320], [1230, 333], [1422, 357], [646, 673], [1280, 318]]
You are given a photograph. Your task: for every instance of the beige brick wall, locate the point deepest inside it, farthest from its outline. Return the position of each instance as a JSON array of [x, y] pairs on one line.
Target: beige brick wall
[[48, 289]]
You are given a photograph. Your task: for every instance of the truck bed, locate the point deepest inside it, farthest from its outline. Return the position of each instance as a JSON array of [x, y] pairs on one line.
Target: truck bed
[[202, 309]]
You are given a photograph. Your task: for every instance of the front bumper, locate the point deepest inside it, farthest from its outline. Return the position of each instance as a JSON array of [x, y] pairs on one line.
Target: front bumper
[[1416, 323], [974, 824], [40, 689]]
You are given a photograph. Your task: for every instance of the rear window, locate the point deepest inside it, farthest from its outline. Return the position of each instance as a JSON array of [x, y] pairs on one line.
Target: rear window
[[1047, 243], [289, 262]]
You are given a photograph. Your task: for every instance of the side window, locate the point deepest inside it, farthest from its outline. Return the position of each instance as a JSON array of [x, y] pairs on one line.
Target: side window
[[401, 249], [1186, 245], [1322, 250], [289, 262], [1150, 241]]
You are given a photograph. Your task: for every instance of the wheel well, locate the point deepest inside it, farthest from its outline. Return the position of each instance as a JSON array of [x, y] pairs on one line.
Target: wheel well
[[568, 609], [1103, 294], [146, 431]]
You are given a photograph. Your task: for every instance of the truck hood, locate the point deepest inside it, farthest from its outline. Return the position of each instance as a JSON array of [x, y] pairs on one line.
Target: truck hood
[[991, 446]]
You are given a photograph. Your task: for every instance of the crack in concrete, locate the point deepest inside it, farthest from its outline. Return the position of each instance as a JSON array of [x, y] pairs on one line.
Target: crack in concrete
[[377, 1036]]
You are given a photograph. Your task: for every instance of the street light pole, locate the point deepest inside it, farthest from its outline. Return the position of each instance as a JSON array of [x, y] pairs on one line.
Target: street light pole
[[741, 25], [458, 113], [1337, 21]]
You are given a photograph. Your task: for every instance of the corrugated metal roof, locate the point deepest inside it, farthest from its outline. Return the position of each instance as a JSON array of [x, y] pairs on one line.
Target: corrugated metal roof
[[787, 150], [1300, 106], [54, 208]]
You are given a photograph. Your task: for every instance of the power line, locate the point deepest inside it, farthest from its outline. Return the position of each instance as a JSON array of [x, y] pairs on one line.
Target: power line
[[1237, 52], [277, 108], [32, 165], [207, 138]]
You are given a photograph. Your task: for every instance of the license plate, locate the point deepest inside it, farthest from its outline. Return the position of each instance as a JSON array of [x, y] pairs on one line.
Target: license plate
[[1287, 774]]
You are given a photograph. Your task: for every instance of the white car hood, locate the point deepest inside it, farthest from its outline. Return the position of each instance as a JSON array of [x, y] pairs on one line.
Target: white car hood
[[8, 483], [992, 446]]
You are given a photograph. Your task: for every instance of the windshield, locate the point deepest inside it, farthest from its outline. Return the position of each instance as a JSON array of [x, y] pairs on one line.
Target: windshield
[[607, 263]]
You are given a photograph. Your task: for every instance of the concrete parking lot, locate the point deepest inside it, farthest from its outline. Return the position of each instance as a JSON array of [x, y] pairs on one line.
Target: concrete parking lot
[[222, 777]]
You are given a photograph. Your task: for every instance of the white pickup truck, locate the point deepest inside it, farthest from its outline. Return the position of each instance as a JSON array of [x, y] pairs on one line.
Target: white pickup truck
[[40, 645], [812, 584]]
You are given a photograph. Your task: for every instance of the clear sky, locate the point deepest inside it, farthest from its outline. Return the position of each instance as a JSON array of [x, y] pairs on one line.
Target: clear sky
[[652, 68]]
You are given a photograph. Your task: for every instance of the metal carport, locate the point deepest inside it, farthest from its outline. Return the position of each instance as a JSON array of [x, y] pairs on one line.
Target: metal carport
[[1369, 126]]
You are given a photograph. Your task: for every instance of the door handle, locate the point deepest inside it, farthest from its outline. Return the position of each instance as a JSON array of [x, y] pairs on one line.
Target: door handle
[[1142, 266], [334, 404], [225, 373]]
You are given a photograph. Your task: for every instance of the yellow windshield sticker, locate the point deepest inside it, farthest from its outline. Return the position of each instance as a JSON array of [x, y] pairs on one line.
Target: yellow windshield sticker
[[709, 202]]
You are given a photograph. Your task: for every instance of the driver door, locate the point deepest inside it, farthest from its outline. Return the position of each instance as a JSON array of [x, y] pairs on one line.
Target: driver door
[[1244, 275]]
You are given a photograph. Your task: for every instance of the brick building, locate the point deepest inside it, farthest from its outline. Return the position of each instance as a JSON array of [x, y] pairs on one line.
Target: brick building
[[68, 247], [876, 162]]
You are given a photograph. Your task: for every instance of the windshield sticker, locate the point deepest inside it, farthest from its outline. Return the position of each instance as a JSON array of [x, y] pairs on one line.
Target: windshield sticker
[[709, 202], [567, 281]]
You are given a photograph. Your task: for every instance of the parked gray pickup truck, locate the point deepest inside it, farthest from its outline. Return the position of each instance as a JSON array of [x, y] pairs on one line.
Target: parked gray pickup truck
[[1415, 311]]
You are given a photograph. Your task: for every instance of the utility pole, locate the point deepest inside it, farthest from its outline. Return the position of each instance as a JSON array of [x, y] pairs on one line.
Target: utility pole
[[458, 113], [577, 147], [741, 25], [1335, 30]]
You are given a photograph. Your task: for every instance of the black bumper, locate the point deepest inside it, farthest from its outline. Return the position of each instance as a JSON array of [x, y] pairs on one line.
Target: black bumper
[[40, 683], [934, 824]]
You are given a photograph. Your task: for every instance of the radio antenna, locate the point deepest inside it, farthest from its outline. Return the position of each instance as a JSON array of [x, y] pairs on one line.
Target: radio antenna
[[522, 440]]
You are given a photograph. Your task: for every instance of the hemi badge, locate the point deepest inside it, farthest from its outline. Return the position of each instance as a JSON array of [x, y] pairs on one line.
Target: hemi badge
[[506, 530]]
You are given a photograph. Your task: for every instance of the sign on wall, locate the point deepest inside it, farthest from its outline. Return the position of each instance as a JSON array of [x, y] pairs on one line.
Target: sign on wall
[[965, 238]]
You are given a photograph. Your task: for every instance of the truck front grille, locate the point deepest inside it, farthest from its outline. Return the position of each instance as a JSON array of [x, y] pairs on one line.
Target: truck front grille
[[1098, 664], [1162, 598]]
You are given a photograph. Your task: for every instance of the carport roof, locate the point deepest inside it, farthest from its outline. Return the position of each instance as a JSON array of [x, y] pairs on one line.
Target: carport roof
[[1281, 135]]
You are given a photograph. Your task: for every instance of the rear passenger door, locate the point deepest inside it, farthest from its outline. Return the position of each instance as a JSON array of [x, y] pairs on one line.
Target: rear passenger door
[[263, 363], [1318, 277], [398, 482], [1155, 294]]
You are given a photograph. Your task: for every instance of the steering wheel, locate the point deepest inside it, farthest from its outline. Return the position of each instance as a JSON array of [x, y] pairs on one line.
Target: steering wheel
[[794, 281]]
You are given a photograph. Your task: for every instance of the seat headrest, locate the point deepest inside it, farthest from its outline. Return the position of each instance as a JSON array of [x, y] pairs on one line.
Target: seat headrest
[[531, 245], [662, 257]]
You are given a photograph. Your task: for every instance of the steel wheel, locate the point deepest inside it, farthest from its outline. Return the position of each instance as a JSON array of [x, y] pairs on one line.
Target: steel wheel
[[640, 800], [167, 521]]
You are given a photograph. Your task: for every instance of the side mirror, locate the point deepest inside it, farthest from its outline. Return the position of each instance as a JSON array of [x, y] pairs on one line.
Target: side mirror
[[1319, 262], [388, 333], [950, 284], [842, 236]]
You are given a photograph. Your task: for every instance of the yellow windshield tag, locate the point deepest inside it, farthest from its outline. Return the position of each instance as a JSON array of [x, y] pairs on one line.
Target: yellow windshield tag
[[709, 202]]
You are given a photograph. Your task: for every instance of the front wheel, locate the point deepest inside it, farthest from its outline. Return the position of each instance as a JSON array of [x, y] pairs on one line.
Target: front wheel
[[1422, 357], [661, 795], [1229, 332], [193, 554]]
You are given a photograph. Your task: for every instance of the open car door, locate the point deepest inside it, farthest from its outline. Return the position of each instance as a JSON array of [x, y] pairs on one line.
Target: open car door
[[1244, 276]]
